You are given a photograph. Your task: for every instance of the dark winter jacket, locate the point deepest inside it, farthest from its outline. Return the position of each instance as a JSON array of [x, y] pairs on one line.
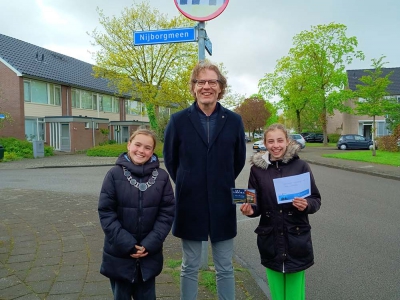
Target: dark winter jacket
[[204, 173], [131, 217], [284, 232]]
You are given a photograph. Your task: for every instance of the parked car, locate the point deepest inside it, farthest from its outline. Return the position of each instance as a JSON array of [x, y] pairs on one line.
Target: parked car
[[298, 139], [315, 138], [259, 146], [304, 134], [354, 141], [258, 136], [247, 139]]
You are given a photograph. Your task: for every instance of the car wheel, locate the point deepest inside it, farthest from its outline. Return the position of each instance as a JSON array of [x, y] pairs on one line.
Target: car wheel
[[343, 147]]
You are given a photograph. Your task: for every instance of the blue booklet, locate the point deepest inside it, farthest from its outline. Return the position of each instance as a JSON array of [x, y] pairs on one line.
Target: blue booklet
[[240, 196]]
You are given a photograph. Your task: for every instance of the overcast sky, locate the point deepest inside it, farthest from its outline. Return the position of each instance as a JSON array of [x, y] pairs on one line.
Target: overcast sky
[[248, 37]]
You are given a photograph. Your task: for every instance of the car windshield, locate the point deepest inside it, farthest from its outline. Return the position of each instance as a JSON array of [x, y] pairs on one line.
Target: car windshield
[[296, 136]]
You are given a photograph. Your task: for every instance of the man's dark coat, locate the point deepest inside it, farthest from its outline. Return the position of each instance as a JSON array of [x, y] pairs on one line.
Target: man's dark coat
[[204, 173]]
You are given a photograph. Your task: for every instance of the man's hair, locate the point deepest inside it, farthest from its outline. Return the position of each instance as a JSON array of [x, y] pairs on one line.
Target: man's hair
[[207, 65]]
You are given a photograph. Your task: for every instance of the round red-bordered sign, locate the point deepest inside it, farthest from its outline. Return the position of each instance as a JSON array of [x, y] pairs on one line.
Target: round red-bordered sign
[[201, 10]]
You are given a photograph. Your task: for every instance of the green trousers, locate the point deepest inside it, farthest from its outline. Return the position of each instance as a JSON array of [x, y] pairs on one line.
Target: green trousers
[[287, 286]]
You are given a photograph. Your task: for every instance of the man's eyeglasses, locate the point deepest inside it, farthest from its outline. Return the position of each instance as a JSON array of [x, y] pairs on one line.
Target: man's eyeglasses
[[211, 82]]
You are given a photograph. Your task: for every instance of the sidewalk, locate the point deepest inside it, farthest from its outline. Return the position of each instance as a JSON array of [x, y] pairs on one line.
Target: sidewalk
[[50, 246]]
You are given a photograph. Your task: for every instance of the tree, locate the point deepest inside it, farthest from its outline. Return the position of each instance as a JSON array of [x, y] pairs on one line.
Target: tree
[[141, 71], [254, 113], [232, 100], [314, 71], [291, 85], [373, 92]]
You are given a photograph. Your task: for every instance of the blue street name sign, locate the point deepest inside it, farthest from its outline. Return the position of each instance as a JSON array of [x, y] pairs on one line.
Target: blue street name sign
[[164, 36], [2, 116]]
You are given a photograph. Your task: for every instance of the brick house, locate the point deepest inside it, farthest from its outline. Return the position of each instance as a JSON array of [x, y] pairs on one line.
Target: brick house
[[343, 123], [55, 98]]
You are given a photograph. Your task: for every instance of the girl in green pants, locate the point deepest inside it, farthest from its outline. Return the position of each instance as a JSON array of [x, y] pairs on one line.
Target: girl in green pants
[[284, 231]]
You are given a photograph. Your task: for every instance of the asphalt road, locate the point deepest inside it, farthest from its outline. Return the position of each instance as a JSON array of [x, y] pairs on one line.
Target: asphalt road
[[356, 233]]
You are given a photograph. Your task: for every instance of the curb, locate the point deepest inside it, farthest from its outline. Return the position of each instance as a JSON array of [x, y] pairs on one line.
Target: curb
[[363, 171]]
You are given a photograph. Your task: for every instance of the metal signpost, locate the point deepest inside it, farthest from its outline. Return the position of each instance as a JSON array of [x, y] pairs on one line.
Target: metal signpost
[[201, 11]]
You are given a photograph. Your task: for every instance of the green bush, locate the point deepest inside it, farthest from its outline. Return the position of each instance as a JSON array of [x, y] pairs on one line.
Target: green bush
[[333, 137], [15, 149], [115, 150]]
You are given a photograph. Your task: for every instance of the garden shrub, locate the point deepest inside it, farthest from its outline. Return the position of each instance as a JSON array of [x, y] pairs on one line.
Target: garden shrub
[[390, 142], [115, 150], [333, 137], [15, 149]]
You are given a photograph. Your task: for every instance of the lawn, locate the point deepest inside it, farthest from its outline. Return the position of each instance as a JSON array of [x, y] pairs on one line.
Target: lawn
[[312, 145], [382, 157]]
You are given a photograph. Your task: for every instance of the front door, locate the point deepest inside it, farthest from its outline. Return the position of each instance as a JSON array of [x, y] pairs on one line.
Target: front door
[[65, 138], [125, 134]]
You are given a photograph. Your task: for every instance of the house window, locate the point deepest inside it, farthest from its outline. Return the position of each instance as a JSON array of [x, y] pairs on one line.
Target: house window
[[83, 99], [55, 95], [35, 129], [133, 107], [76, 103], [94, 101], [42, 92], [86, 124], [86, 100], [381, 129], [39, 92], [109, 104], [27, 91]]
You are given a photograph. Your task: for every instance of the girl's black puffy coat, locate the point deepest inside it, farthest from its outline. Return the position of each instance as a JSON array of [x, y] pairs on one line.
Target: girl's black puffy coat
[[130, 217], [284, 232]]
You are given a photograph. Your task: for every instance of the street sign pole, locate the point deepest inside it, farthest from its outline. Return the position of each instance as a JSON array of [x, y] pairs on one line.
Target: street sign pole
[[201, 40]]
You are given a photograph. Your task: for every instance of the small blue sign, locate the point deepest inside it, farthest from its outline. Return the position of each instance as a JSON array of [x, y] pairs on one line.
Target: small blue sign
[[2, 116], [164, 36], [208, 46]]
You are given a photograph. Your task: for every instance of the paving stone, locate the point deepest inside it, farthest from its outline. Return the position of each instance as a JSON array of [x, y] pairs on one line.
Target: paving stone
[[75, 258], [98, 288], [42, 273], [9, 281], [20, 266], [64, 297], [47, 261], [41, 287], [18, 249], [77, 272], [66, 287], [21, 258], [15, 291]]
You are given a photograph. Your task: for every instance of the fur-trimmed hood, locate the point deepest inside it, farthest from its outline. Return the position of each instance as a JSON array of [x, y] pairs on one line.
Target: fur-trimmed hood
[[261, 159]]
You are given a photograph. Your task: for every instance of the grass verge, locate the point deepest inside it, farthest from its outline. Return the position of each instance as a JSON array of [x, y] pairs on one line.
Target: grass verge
[[382, 157]]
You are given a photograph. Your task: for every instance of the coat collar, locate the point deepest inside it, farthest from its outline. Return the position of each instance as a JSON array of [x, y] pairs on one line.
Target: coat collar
[[261, 159], [221, 120]]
